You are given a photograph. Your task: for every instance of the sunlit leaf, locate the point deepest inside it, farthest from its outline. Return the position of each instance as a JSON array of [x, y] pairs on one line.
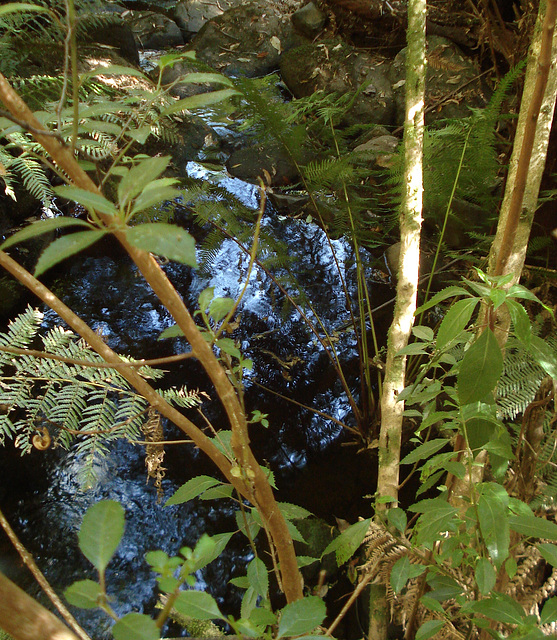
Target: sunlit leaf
[[84, 594], [135, 626], [162, 239], [191, 489], [114, 70], [200, 100], [301, 616], [88, 199], [202, 77], [40, 227], [101, 531], [258, 577], [455, 321], [348, 541], [533, 527], [197, 604], [138, 177], [171, 332]]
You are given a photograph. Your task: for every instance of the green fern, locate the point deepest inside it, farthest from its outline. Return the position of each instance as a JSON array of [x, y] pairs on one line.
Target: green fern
[[69, 401]]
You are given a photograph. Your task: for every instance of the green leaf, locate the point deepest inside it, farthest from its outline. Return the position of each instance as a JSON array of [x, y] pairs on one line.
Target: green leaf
[[533, 527], [397, 518], [197, 604], [549, 552], [438, 517], [205, 298], [247, 524], [88, 199], [192, 489], [40, 227], [521, 321], [249, 602], [200, 100], [138, 177], [455, 321], [301, 616], [480, 369], [485, 576], [21, 7], [201, 77], [212, 552], [499, 607], [162, 239], [348, 541], [402, 571], [100, 533], [424, 450], [493, 520], [228, 346], [448, 292], [423, 333], [65, 247], [171, 332], [429, 629], [258, 577], [544, 355], [549, 612], [135, 626], [155, 193], [114, 70], [218, 492], [84, 594], [219, 308], [305, 561], [293, 511]]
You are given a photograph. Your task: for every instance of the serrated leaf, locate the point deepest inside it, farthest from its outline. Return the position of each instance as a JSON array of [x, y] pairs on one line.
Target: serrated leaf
[[480, 369], [200, 100], [533, 527], [163, 239], [197, 604], [485, 576], [438, 517], [219, 307], [218, 492], [138, 177], [40, 227], [521, 321], [455, 321], [402, 571], [549, 552], [65, 247], [397, 518], [258, 577], [191, 489], [249, 602], [228, 346], [301, 616], [171, 332], [88, 199], [100, 533], [135, 626], [84, 594], [305, 561], [293, 511], [424, 450], [429, 629], [348, 541]]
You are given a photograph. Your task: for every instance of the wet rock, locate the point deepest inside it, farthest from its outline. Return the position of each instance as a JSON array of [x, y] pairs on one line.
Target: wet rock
[[447, 70], [155, 31], [336, 67], [309, 20], [250, 163], [246, 40], [191, 16], [118, 35], [381, 150], [288, 203]]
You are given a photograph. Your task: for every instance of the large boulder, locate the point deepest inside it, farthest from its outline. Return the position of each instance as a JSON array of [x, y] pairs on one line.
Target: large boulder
[[155, 31], [246, 40], [337, 67]]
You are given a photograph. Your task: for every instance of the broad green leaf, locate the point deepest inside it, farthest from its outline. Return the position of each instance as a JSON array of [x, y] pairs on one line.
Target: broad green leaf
[[499, 607], [492, 512], [218, 492], [84, 594], [258, 577], [480, 369], [521, 321], [40, 227], [247, 524], [301, 616], [21, 7], [228, 346], [219, 540], [151, 197], [432, 604], [114, 70], [455, 321], [171, 332], [197, 604], [423, 333], [397, 517], [549, 612], [262, 617], [249, 602], [443, 587], [533, 527], [549, 552], [424, 450], [163, 239], [200, 100], [429, 629], [348, 541], [438, 517], [65, 247], [448, 292], [219, 307], [201, 77], [88, 199], [205, 297], [294, 532], [136, 626], [485, 576], [138, 177], [305, 561], [100, 533], [402, 571], [544, 355], [414, 349], [192, 489], [293, 511]]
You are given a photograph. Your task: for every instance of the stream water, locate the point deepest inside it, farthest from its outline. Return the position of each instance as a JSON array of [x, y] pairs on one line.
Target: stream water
[[41, 493]]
